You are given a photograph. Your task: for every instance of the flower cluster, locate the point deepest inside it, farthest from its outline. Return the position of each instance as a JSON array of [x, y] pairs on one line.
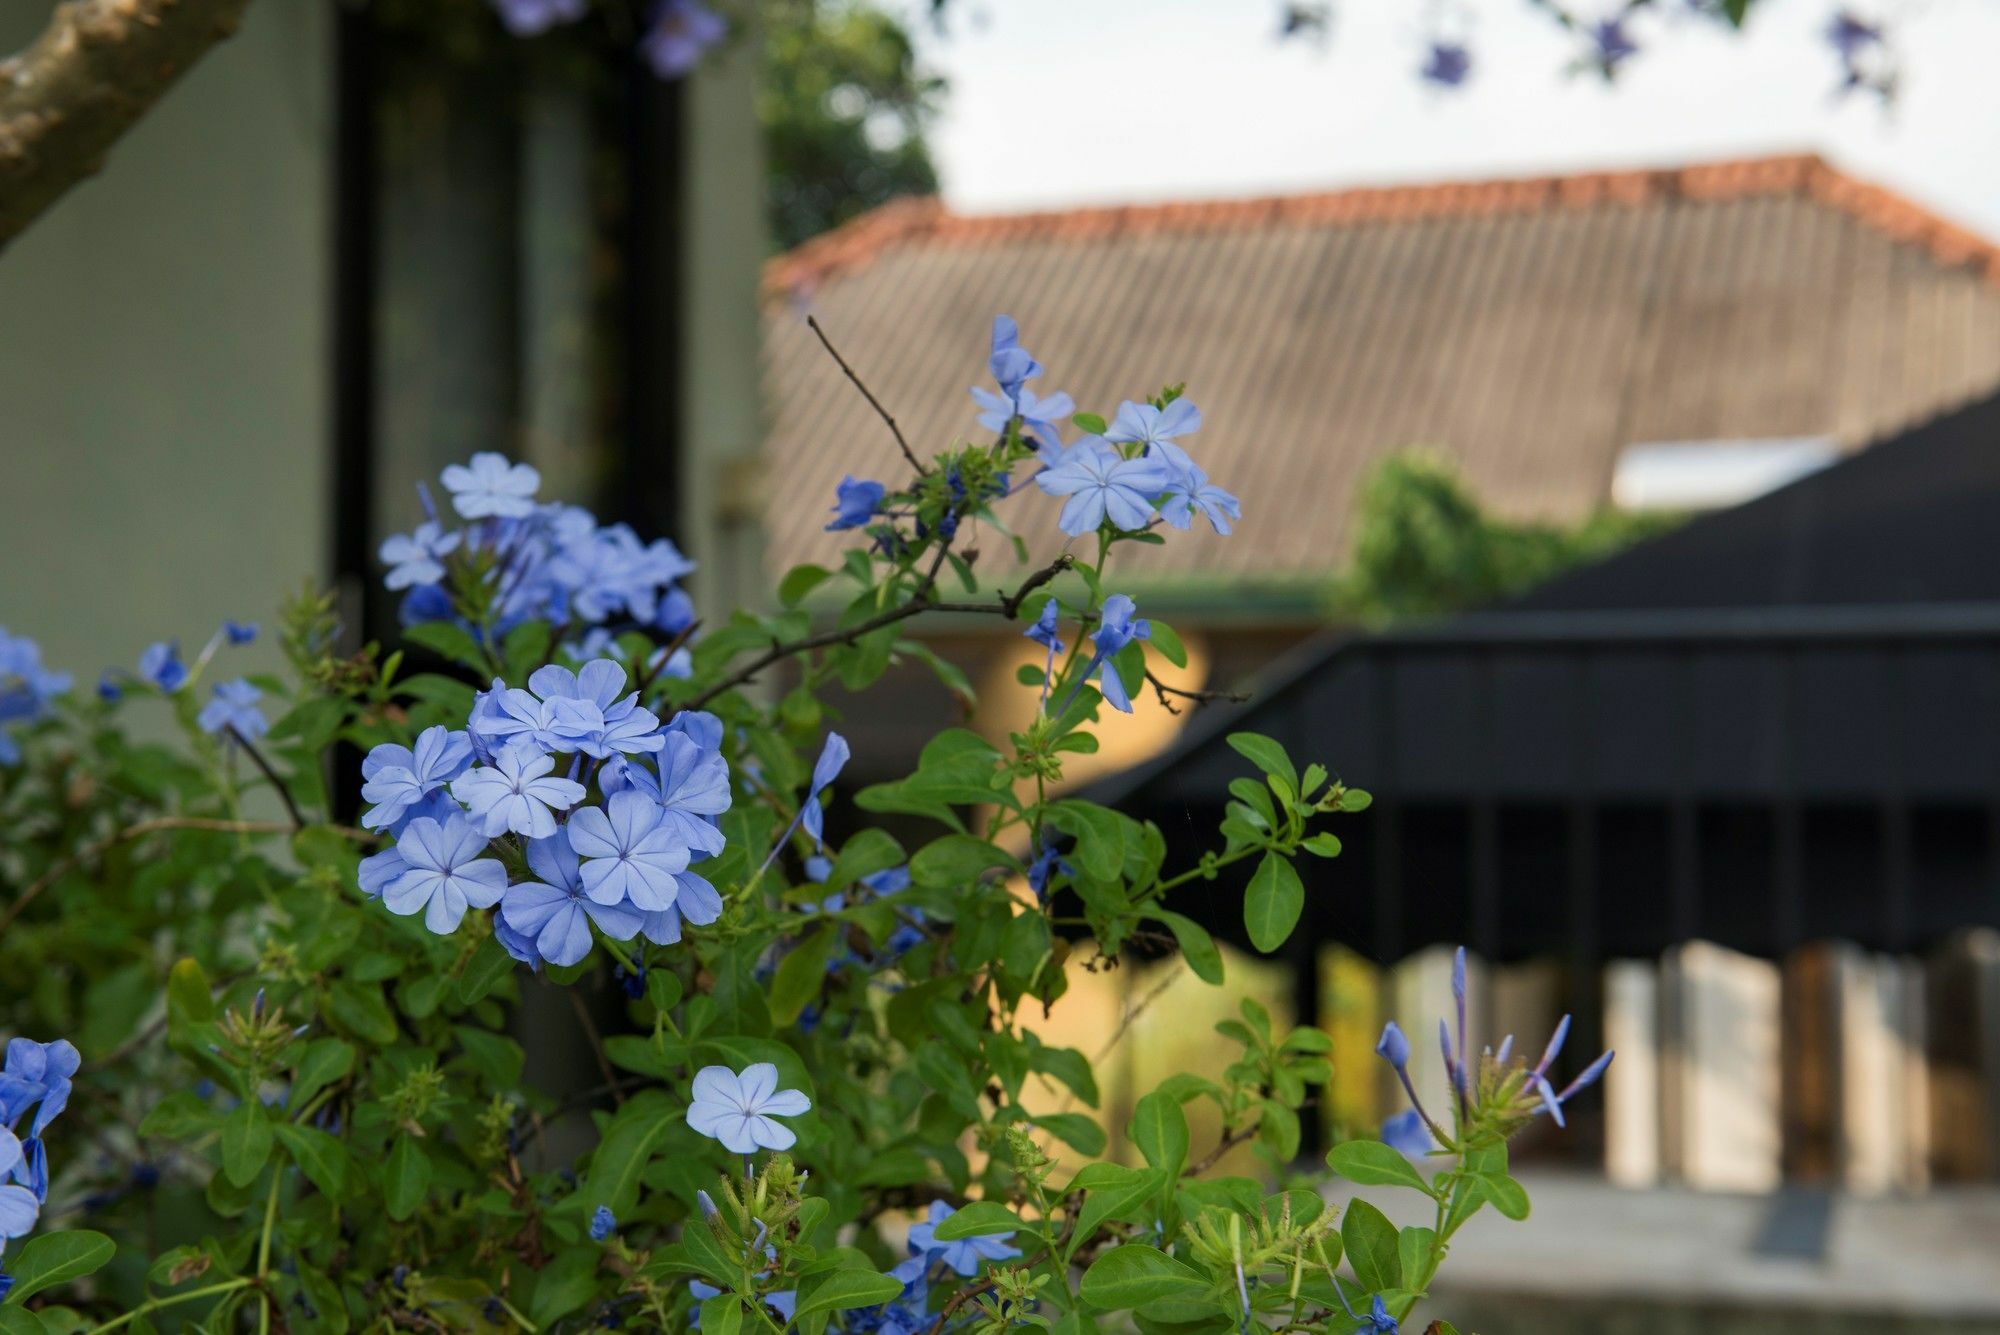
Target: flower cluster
[[678, 32], [1493, 1096], [26, 690], [516, 559], [620, 864], [35, 1078]]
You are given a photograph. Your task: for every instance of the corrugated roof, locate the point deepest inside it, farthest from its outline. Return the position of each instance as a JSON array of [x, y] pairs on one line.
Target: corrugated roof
[[1530, 328]]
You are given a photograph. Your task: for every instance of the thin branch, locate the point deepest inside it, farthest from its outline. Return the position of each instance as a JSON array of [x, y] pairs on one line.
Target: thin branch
[[264, 767], [1168, 694], [1008, 606], [596, 1046], [145, 827], [1229, 1141], [666, 652], [812, 323], [96, 69]]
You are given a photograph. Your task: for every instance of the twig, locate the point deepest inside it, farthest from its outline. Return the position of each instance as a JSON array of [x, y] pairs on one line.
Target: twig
[[264, 766], [596, 1046], [1230, 1140], [155, 826], [666, 652], [1008, 606], [812, 323], [1199, 698]]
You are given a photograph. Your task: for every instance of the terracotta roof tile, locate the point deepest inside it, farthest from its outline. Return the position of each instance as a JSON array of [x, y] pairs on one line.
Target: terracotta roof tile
[[1530, 328]]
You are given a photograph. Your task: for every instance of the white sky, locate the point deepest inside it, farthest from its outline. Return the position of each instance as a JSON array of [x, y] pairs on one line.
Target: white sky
[[1058, 102]]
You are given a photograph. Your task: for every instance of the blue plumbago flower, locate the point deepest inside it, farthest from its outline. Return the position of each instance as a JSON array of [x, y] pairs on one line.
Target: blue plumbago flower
[[1610, 45], [964, 1255], [587, 712], [1552, 1100], [691, 785], [240, 632], [379, 871], [19, 1208], [855, 503], [446, 875], [26, 689], [681, 32], [160, 664], [108, 688], [36, 1075], [489, 486], [602, 1223], [630, 853], [785, 1303], [833, 756], [518, 791], [1850, 35], [233, 709], [1101, 484], [1010, 364], [737, 1108], [518, 945], [396, 778], [554, 912], [892, 881], [1193, 491], [1143, 424], [1377, 1322], [418, 557], [1044, 632], [1447, 64], [908, 1312], [1040, 417], [527, 18], [1116, 628], [1047, 864], [1393, 1047], [1405, 1132], [818, 867], [675, 612]]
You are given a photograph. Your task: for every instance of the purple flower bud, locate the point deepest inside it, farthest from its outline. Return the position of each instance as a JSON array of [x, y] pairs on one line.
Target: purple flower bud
[[1393, 1047]]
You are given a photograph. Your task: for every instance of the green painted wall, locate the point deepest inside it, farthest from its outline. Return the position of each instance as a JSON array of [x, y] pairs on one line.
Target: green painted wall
[[164, 360]]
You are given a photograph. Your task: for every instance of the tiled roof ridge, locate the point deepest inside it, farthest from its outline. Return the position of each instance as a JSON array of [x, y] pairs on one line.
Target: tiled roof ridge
[[854, 244]]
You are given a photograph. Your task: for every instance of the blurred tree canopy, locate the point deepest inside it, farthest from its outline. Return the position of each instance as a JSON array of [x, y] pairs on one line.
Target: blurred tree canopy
[[844, 107], [1424, 546]]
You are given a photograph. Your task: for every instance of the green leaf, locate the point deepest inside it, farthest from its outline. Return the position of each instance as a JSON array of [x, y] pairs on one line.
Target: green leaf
[[722, 1314], [1197, 946], [1114, 1191], [1075, 1130], [978, 1219], [1168, 644], [56, 1258], [841, 1290], [1090, 422], [325, 1061], [1414, 1245], [246, 1143], [405, 1178], [321, 1157], [188, 998], [488, 965], [800, 581], [801, 973], [1266, 754], [1132, 1276], [449, 639], [566, 1284], [1370, 1163], [179, 1116], [1272, 904], [20, 1321], [1373, 1248], [865, 854], [1100, 836], [1160, 1130], [957, 861], [628, 1145], [1507, 1196]]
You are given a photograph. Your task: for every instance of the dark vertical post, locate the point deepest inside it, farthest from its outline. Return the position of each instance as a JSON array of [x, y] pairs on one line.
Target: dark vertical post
[[1386, 811], [1895, 804], [355, 223], [1683, 818], [1585, 954], [1789, 852], [1484, 846], [646, 448]]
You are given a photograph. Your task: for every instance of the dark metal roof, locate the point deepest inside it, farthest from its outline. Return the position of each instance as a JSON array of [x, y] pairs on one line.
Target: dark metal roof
[[1529, 329]]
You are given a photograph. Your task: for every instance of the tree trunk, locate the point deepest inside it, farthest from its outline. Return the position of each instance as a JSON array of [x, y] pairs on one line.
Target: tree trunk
[[96, 69]]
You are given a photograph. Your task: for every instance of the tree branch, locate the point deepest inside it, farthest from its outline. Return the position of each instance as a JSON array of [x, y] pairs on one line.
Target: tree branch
[[96, 69], [1168, 694], [1008, 606], [812, 323]]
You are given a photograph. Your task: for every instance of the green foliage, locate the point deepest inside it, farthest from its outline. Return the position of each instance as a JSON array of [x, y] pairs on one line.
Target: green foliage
[[1424, 546], [844, 107]]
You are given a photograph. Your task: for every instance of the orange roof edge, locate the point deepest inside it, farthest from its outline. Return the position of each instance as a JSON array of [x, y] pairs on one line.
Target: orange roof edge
[[854, 244]]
